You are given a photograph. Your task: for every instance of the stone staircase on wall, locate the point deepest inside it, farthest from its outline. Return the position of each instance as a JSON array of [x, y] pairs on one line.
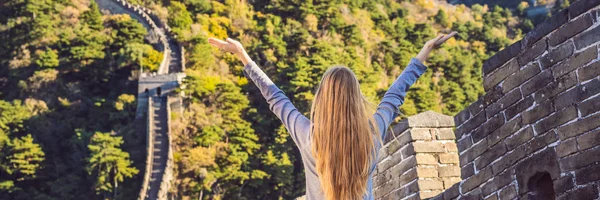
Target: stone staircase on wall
[[155, 105], [160, 146]]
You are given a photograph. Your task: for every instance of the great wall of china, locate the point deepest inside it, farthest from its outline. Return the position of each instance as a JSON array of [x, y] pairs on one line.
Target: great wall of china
[[535, 134], [155, 97]]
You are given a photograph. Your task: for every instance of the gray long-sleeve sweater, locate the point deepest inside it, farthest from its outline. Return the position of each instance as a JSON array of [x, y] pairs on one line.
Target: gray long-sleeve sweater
[[299, 126]]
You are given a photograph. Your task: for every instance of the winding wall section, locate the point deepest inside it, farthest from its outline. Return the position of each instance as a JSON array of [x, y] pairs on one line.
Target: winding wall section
[[154, 97]]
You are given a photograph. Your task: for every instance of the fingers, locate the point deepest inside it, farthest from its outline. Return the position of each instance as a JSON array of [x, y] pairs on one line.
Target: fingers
[[230, 40], [216, 42], [440, 41]]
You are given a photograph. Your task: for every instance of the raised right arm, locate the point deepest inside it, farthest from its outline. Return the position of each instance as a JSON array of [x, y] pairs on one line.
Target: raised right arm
[[394, 97]]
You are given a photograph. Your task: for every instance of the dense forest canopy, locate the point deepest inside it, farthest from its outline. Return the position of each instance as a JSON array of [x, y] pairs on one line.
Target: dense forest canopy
[[66, 131]]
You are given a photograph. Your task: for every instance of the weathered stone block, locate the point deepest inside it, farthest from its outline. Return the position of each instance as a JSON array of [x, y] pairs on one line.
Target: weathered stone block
[[476, 106], [589, 140], [471, 124], [559, 85], [581, 6], [420, 134], [589, 72], [577, 94], [501, 57], [464, 143], [589, 106], [428, 194], [520, 76], [428, 147], [576, 61], [405, 191], [538, 112], [476, 180], [563, 184], [408, 150], [579, 127], [508, 99], [450, 181], [398, 142], [452, 192], [519, 138], [566, 147], [467, 171], [450, 158], [505, 130], [430, 185], [533, 52], [427, 172], [519, 107], [587, 192], [496, 183], [448, 171], [462, 117], [587, 38], [509, 159], [472, 153], [570, 29], [491, 125], [580, 160], [444, 134], [492, 96], [500, 74], [556, 119], [537, 82], [545, 28], [451, 147], [426, 159], [543, 161], [509, 192], [387, 163], [588, 174], [541, 141], [474, 194], [557, 54], [492, 154]]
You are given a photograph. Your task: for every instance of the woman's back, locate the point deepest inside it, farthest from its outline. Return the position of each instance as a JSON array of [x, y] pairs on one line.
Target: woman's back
[[339, 148], [300, 127]]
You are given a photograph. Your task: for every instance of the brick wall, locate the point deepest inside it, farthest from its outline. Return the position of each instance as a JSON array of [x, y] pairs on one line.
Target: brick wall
[[419, 158], [535, 134], [540, 114]]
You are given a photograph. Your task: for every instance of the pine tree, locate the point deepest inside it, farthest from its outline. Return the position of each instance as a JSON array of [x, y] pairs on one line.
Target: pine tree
[[108, 163]]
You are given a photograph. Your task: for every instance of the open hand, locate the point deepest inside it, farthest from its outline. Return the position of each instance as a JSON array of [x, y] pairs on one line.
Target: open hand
[[432, 44], [231, 46]]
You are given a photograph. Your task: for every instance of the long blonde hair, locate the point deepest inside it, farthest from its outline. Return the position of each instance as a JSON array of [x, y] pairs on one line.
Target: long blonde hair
[[343, 141]]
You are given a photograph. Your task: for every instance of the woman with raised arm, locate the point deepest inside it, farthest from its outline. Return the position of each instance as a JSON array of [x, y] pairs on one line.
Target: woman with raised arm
[[339, 143]]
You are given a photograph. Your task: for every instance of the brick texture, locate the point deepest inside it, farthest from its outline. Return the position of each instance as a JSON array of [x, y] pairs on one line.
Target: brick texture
[[540, 114], [521, 76], [500, 74], [587, 38], [589, 72], [556, 55], [570, 29]]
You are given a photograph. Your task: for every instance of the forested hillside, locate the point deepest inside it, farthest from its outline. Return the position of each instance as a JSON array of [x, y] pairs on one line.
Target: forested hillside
[[67, 101], [67, 81], [230, 146]]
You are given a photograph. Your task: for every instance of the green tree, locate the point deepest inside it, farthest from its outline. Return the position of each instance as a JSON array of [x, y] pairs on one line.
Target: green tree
[[179, 18], [47, 58], [108, 163], [441, 18], [25, 158], [93, 17]]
